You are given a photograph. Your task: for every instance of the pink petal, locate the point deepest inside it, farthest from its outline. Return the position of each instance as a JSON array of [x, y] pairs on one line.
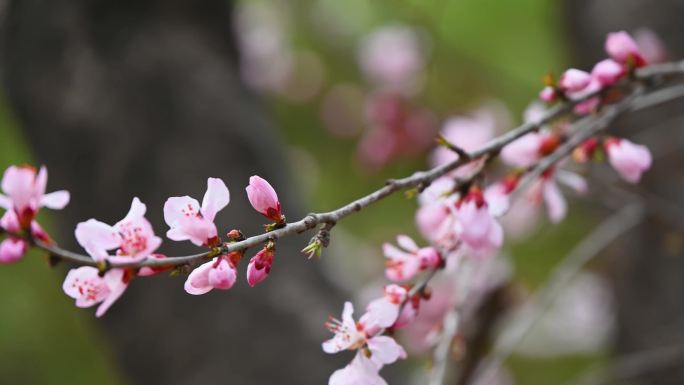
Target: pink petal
[[176, 208], [523, 152], [574, 80], [96, 238], [255, 275], [198, 280], [86, 286], [215, 199], [407, 243], [114, 281], [10, 222], [555, 202], [630, 160], [621, 47], [361, 371], [380, 313], [608, 72], [429, 219], [573, 180], [385, 350], [392, 252], [5, 202], [136, 212], [55, 200], [18, 184], [222, 276]]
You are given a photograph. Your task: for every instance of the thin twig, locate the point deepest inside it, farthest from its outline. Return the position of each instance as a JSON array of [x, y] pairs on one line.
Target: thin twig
[[417, 180]]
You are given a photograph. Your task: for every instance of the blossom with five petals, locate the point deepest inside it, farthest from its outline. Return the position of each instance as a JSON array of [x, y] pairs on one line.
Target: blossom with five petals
[[188, 221]]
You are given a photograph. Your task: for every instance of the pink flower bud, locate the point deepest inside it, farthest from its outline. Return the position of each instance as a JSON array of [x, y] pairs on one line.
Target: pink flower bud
[[630, 160], [574, 80], [260, 266], [623, 49], [12, 250], [264, 198], [548, 94], [608, 72]]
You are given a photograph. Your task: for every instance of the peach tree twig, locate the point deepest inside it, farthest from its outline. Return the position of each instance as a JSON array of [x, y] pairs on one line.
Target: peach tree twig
[[654, 75]]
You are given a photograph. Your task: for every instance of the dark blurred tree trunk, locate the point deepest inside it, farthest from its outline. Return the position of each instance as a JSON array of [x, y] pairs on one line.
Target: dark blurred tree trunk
[[123, 98], [648, 270]]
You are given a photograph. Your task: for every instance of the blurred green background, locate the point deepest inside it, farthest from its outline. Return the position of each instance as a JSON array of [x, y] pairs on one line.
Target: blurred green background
[[480, 50]]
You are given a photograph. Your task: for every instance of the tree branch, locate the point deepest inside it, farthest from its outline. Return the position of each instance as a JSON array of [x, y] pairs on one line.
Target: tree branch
[[652, 74]]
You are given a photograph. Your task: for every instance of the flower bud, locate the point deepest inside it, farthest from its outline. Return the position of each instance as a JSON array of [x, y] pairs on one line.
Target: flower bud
[[264, 198], [12, 250], [630, 160], [608, 72], [574, 80], [623, 49], [260, 265]]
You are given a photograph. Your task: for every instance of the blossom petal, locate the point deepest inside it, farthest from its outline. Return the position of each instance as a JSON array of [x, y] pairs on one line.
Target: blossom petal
[[555, 202], [96, 238], [215, 199], [115, 282], [176, 208], [18, 184], [5, 202], [136, 211], [55, 200], [361, 371], [198, 280], [407, 243], [385, 350]]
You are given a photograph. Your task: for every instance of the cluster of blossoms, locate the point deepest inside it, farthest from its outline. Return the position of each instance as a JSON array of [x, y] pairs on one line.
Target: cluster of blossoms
[[24, 195], [132, 239], [462, 217]]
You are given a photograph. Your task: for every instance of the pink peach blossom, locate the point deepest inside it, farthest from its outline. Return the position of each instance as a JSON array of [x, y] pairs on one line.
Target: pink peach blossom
[[524, 151], [188, 221], [219, 273], [630, 160], [264, 198], [622, 48], [608, 72], [587, 106], [25, 195], [477, 228], [349, 335], [88, 288], [574, 80], [405, 264], [132, 237], [383, 312]]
